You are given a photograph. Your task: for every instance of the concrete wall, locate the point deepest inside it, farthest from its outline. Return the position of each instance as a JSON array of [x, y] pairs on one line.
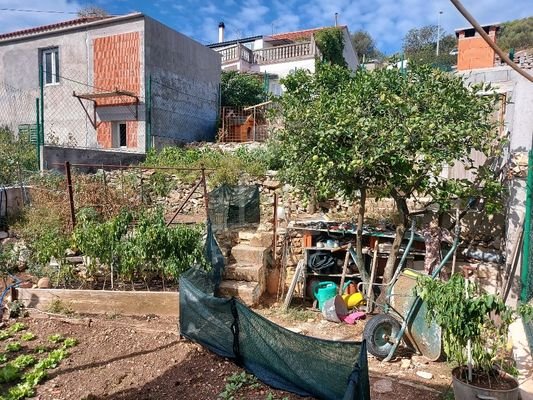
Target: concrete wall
[[350, 56], [185, 86], [519, 130], [66, 122], [15, 200], [53, 156]]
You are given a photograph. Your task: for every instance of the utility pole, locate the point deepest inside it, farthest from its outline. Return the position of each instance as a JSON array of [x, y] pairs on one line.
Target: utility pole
[[438, 32]]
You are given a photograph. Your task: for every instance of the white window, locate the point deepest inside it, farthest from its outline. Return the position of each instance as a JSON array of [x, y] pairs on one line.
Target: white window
[[120, 136], [50, 64]]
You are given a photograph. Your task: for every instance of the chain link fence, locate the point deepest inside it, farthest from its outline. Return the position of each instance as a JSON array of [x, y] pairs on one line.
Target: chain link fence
[[245, 124]]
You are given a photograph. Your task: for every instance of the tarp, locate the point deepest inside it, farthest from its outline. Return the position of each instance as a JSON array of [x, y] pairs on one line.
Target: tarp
[[324, 369], [234, 206]]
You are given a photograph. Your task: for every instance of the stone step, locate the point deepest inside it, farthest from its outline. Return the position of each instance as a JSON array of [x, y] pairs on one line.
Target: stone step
[[256, 239], [240, 272], [245, 254], [248, 292]]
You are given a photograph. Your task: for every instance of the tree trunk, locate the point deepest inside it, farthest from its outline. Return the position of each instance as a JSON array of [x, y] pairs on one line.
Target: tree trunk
[[359, 238], [401, 204]]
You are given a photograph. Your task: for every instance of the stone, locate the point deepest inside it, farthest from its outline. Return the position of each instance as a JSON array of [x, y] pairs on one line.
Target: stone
[[43, 283], [405, 364], [383, 386], [3, 235], [271, 184], [424, 374]]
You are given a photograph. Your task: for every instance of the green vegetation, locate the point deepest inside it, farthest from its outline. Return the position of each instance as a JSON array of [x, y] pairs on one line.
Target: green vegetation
[[386, 133], [13, 347], [228, 167], [517, 35], [330, 42], [26, 371], [27, 336], [56, 338], [17, 155], [365, 46], [240, 89], [466, 314], [236, 383], [420, 45], [148, 250]]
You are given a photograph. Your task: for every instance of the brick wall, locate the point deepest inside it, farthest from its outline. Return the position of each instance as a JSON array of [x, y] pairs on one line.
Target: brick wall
[[117, 66], [474, 52]]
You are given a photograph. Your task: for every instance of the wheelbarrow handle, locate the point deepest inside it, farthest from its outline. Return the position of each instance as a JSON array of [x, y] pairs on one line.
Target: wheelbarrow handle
[[483, 397]]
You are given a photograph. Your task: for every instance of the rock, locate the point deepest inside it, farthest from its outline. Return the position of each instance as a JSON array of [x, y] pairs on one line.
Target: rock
[[383, 386], [405, 364], [3, 235], [424, 374], [43, 283], [271, 184]]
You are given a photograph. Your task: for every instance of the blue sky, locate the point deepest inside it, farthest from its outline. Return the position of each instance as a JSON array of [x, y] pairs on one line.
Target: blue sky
[[386, 20]]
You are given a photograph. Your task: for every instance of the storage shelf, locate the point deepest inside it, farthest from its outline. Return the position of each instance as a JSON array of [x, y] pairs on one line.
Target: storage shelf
[[334, 275]]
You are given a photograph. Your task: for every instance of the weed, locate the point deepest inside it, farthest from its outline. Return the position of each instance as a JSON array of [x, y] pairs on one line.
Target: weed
[[3, 358], [57, 306], [271, 396], [235, 383], [13, 347]]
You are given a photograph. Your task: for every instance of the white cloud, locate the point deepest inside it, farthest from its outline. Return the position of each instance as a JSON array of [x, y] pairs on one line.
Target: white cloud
[[12, 20]]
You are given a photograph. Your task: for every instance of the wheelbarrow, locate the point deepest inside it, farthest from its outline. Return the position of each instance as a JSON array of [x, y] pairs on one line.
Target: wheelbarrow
[[404, 313]]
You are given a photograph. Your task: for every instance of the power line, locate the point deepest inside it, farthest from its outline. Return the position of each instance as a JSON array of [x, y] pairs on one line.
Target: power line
[[38, 11]]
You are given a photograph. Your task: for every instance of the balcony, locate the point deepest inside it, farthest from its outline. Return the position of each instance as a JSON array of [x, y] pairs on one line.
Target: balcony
[[269, 55]]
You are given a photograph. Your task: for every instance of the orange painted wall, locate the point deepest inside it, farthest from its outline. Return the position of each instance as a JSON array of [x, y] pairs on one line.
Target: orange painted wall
[[117, 65], [474, 52]]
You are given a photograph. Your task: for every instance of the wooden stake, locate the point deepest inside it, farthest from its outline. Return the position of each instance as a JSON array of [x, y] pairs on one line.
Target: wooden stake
[[345, 268], [70, 195], [370, 300]]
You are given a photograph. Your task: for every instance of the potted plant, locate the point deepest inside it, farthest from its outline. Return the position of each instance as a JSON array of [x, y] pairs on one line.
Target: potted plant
[[475, 327]]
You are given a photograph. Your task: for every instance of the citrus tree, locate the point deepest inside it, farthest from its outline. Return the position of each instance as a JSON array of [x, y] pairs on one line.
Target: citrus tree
[[384, 131]]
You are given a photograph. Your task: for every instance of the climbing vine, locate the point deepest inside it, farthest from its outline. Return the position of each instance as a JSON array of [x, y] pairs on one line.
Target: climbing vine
[[330, 41]]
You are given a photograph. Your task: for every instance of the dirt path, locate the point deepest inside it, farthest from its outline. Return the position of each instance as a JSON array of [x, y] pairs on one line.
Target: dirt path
[[143, 358]]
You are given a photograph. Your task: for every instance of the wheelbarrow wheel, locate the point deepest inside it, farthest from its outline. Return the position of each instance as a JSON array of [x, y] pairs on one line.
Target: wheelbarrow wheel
[[379, 332]]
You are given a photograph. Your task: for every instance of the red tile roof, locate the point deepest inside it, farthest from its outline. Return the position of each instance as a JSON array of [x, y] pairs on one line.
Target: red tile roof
[[296, 35], [51, 27]]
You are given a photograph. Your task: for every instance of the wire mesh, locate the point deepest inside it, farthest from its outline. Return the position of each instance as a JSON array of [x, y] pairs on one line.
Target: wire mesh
[[18, 110], [244, 124], [74, 121], [180, 112]]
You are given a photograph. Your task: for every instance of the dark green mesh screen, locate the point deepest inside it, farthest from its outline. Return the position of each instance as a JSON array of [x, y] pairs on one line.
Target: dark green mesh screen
[[234, 206], [282, 359]]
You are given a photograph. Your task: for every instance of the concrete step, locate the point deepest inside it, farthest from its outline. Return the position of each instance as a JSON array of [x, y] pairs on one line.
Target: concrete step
[[248, 273], [248, 292], [250, 255]]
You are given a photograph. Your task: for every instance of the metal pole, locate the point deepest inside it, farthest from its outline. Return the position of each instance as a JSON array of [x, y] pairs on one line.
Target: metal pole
[[275, 236], [148, 116], [206, 198], [70, 194], [438, 32], [41, 87], [38, 133], [524, 273]]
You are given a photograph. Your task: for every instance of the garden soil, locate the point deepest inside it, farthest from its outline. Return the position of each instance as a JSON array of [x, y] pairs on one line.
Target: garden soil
[[143, 358]]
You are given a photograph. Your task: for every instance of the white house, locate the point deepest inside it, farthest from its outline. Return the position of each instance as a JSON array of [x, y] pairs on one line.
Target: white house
[[275, 56]]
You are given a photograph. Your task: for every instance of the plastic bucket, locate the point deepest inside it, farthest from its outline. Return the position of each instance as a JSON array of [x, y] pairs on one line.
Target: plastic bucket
[[334, 309], [324, 291], [353, 300]]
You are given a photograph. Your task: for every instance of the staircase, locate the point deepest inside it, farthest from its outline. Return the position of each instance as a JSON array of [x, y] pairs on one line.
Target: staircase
[[245, 276]]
